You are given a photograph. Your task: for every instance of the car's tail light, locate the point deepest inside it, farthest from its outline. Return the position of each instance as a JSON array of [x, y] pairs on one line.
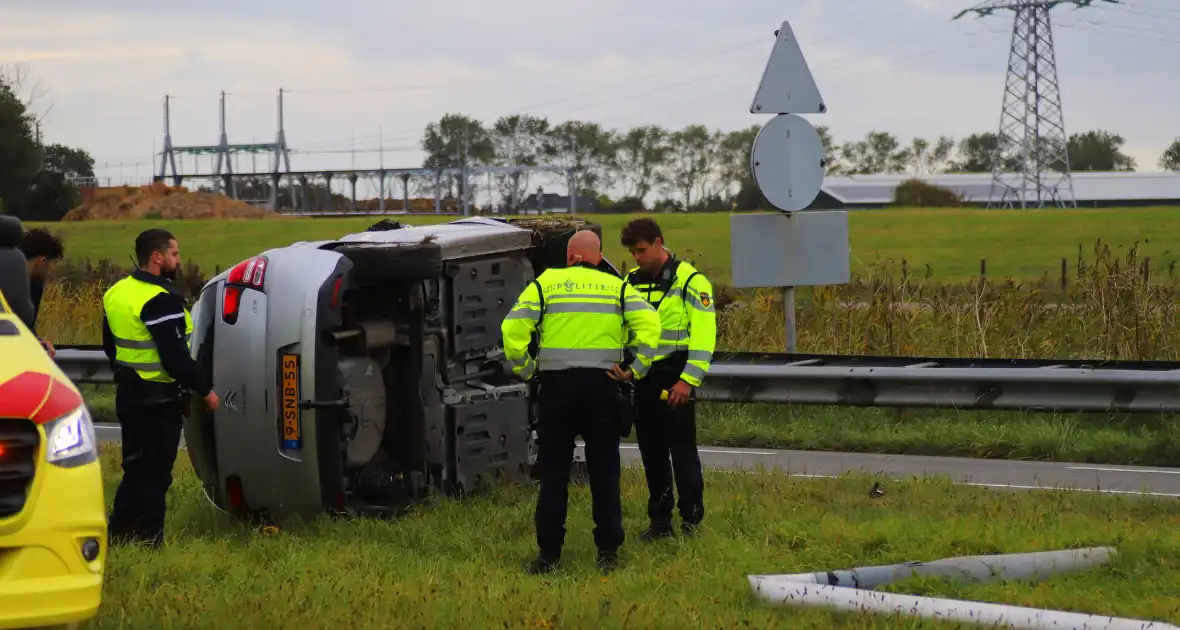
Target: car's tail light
[[336, 292], [230, 302], [248, 274]]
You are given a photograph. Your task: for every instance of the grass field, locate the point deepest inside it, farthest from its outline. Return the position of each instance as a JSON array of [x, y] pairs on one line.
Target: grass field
[[457, 564], [951, 241]]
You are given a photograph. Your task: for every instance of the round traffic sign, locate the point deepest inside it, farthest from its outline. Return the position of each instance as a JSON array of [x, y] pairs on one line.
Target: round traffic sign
[[787, 162]]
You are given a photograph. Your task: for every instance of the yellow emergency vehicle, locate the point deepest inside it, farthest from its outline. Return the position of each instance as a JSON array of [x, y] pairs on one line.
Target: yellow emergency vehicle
[[53, 526]]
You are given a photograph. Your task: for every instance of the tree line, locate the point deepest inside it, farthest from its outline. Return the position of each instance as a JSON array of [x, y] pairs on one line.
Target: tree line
[[693, 168], [696, 168], [36, 180]]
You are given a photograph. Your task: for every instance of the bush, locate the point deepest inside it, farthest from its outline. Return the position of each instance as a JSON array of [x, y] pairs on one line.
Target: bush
[[72, 277], [750, 197], [915, 193], [628, 204]]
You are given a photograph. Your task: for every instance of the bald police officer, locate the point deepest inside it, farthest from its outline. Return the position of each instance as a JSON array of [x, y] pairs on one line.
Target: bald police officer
[[582, 314]]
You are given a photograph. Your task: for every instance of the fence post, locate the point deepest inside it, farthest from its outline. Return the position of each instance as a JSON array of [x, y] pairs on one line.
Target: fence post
[[1064, 275], [983, 268]]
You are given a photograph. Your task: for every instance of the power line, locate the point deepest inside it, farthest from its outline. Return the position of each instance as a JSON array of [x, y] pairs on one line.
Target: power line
[[713, 54], [1143, 32], [853, 57], [1151, 7]]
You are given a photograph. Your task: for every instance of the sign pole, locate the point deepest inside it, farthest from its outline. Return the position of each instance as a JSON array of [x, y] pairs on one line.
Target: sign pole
[[789, 308]]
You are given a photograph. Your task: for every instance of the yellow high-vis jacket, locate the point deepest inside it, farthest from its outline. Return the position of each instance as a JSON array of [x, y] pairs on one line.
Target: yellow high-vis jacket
[[584, 317], [683, 297]]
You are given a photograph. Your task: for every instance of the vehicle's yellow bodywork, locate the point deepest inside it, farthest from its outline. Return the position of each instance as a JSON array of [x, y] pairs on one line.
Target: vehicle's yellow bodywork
[[45, 577]]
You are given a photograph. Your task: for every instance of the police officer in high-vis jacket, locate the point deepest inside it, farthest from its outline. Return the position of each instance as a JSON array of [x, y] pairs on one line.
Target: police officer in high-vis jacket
[[583, 315], [665, 402], [146, 330]]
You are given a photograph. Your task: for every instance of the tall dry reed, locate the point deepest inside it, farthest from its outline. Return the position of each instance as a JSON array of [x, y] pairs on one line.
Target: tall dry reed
[[1110, 310]]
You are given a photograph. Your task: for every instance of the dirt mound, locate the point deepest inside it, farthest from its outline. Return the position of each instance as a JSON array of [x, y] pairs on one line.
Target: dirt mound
[[160, 201]]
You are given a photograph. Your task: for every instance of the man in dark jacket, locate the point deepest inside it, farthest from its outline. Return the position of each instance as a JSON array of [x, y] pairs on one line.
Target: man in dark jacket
[[42, 252], [146, 330], [14, 282]]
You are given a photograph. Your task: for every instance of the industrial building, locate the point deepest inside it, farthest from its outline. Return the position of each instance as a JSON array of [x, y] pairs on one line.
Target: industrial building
[[1091, 189]]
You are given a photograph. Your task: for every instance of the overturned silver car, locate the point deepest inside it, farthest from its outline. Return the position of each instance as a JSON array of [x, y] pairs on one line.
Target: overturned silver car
[[359, 374]]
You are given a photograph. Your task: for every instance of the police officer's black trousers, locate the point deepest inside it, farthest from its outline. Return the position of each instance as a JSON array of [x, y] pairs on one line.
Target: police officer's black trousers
[[581, 401], [668, 433], [151, 437]]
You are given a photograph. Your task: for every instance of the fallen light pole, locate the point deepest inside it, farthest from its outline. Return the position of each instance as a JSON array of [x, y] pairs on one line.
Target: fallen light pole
[[995, 615], [1016, 566], [850, 590]]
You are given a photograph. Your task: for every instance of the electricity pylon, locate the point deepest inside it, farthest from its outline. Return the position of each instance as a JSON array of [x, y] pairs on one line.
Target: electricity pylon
[[1032, 143]]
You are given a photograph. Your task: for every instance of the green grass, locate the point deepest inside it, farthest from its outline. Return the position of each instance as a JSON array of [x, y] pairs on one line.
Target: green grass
[[457, 564], [1023, 244], [1144, 440]]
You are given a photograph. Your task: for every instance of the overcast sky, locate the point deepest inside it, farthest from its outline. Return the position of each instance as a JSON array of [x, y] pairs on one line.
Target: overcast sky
[[369, 67]]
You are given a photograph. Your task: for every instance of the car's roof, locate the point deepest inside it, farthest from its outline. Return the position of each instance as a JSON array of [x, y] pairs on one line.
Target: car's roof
[[464, 237], [469, 236], [468, 229]]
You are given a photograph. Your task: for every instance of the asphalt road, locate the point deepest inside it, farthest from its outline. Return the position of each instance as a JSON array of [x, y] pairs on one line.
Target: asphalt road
[[1004, 474], [992, 473]]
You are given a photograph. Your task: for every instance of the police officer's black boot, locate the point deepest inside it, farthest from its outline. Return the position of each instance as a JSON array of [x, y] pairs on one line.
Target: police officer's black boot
[[543, 563], [656, 531], [608, 561]]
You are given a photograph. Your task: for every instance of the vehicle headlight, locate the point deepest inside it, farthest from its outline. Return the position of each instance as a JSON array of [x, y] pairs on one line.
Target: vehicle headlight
[[71, 440]]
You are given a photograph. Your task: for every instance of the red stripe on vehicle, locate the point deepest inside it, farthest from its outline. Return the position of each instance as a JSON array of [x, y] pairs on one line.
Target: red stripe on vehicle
[[62, 399], [22, 395]]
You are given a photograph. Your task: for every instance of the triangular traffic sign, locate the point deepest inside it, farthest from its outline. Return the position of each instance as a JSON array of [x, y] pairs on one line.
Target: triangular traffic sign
[[787, 86]]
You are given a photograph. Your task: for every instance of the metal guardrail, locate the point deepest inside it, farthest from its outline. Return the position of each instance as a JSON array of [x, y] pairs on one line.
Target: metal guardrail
[[84, 364], [1069, 386], [1066, 386]]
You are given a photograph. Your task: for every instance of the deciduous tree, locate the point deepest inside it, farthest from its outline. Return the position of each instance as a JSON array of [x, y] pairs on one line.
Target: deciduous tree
[[641, 154], [1170, 160]]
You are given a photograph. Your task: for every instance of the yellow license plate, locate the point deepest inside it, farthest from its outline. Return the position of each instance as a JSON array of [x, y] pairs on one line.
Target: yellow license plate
[[290, 400]]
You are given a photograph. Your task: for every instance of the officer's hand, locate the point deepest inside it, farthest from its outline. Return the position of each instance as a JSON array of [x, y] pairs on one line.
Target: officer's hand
[[679, 394], [212, 400], [619, 374]]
